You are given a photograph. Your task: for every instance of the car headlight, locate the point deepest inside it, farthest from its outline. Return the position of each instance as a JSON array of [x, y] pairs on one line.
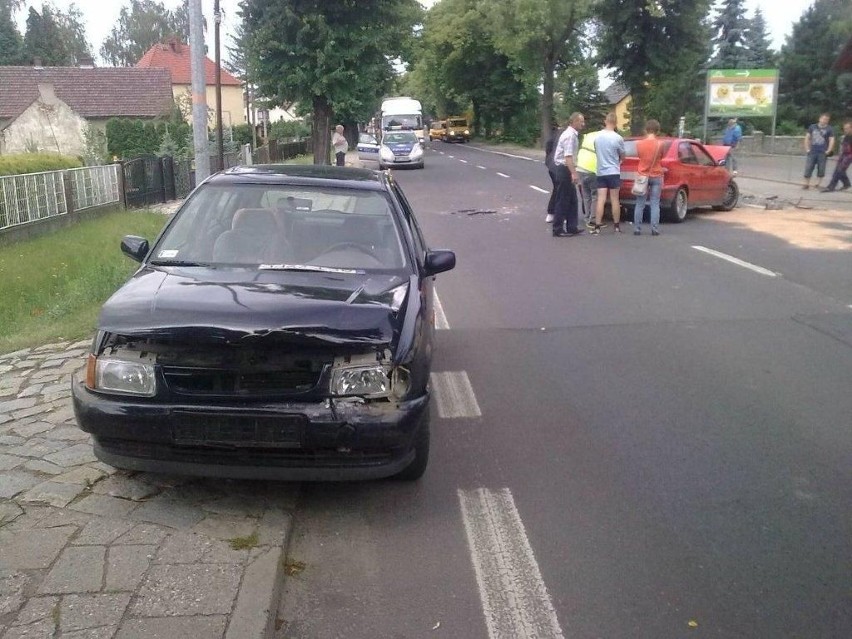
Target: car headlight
[[416, 152], [386, 154], [452, 132], [366, 381], [121, 376], [466, 132]]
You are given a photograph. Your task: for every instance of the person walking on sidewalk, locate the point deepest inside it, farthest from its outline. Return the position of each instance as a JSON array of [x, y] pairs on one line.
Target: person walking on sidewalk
[[650, 152], [565, 176], [609, 148], [843, 161], [587, 166], [549, 147], [341, 146], [819, 143], [731, 137]]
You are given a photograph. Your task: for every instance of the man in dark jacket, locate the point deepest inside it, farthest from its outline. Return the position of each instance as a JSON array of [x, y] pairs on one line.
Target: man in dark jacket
[[843, 162]]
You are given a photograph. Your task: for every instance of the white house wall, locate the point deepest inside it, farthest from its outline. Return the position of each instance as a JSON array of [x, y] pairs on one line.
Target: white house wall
[[50, 126]]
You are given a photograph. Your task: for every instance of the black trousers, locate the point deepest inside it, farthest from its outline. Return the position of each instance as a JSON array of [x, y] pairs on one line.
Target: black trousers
[[551, 203], [565, 208], [341, 158]]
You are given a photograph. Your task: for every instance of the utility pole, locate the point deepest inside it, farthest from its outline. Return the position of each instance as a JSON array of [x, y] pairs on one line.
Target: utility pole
[[199, 88], [217, 14]]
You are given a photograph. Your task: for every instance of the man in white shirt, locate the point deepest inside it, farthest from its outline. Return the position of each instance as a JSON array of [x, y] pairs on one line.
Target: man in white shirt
[[565, 176], [341, 146]]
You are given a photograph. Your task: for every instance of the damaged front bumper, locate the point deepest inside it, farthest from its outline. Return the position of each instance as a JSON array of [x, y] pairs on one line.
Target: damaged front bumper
[[332, 440]]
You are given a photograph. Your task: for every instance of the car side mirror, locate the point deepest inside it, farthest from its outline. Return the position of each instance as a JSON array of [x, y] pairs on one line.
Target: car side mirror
[[439, 262], [134, 247]]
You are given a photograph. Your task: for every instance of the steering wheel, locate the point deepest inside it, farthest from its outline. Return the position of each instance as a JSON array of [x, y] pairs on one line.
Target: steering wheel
[[346, 245]]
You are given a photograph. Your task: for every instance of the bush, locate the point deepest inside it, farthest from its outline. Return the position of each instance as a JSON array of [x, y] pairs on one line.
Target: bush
[[20, 163], [287, 131]]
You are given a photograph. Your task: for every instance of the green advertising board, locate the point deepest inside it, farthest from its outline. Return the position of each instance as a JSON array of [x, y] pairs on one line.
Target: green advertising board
[[742, 92]]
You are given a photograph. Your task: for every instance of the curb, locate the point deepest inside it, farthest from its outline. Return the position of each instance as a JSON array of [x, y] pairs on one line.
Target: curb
[[260, 593]]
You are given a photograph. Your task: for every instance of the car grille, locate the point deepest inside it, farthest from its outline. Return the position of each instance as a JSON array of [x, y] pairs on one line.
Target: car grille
[[201, 381], [258, 457], [251, 430]]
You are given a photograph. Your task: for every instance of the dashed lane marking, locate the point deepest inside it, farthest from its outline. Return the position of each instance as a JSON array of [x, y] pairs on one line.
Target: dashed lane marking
[[441, 322], [535, 188], [502, 174], [508, 155], [515, 600], [463, 161], [479, 166], [735, 260], [454, 395]]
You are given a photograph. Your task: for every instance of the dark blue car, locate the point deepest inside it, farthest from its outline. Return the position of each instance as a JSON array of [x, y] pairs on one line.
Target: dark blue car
[[280, 327]]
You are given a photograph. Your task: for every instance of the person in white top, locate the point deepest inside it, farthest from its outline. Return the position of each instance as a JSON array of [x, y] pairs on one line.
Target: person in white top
[[564, 172], [341, 146]]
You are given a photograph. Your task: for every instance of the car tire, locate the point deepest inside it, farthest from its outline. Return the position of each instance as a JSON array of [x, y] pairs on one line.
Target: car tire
[[417, 467], [680, 205], [732, 198]]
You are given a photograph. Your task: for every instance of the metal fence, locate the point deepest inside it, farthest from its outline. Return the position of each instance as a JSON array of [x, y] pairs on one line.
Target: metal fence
[[31, 197], [95, 186]]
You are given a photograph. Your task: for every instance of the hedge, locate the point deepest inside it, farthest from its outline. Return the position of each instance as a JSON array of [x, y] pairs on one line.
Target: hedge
[[20, 163]]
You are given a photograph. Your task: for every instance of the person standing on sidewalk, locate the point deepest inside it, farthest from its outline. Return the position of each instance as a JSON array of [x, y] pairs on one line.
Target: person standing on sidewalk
[[843, 161], [549, 147], [587, 166], [731, 137], [819, 143], [650, 152], [341, 146], [565, 176], [609, 148]]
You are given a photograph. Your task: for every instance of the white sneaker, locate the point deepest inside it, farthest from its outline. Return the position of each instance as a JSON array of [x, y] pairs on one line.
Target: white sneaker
[[548, 219]]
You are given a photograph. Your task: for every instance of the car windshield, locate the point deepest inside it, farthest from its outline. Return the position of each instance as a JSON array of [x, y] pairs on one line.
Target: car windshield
[[281, 226], [399, 138], [366, 138], [458, 122]]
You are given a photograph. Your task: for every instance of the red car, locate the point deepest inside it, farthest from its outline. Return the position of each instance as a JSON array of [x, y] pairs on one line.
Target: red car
[[695, 176]]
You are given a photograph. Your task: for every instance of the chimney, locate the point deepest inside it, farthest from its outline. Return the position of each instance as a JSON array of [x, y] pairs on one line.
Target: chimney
[[37, 62], [174, 44], [86, 62]]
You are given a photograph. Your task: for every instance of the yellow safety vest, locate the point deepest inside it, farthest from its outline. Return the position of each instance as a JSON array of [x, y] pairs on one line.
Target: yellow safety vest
[[587, 159]]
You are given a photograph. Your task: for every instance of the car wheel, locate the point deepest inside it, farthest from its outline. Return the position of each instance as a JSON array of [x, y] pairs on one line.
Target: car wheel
[[418, 465], [732, 197], [680, 205]]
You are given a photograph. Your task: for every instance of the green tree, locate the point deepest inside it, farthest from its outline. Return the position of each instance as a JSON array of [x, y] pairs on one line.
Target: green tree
[[11, 42], [577, 82], [651, 46], [140, 26], [730, 27], [58, 38], [335, 56], [537, 35], [760, 53], [808, 85]]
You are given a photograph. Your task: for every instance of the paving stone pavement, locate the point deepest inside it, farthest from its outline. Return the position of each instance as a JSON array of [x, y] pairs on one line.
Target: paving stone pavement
[[90, 551]]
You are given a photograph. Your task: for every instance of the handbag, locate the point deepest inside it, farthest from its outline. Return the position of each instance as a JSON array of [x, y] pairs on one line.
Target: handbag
[[640, 185]]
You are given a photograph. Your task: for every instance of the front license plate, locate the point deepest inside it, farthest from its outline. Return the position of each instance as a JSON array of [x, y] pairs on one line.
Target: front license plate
[[240, 430]]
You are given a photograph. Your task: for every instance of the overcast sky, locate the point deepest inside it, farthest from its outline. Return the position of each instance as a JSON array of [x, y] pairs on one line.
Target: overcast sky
[[102, 15]]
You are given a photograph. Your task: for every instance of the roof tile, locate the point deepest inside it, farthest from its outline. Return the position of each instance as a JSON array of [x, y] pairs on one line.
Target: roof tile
[[175, 56]]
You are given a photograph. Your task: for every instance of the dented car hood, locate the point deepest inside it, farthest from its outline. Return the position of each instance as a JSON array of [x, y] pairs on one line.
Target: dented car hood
[[207, 304]]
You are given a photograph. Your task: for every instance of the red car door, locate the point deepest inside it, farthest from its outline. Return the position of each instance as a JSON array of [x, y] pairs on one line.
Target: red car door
[[712, 178], [686, 171]]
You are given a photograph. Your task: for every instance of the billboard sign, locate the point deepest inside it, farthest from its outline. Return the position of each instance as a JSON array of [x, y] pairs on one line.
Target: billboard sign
[[742, 92]]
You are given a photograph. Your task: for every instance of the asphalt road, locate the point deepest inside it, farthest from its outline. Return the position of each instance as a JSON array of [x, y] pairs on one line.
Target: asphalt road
[[656, 441]]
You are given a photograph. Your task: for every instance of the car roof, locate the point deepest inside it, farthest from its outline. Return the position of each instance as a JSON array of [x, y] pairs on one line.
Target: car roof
[[303, 175]]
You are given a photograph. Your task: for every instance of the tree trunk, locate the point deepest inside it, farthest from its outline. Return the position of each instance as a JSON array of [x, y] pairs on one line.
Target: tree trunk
[[637, 112], [321, 135], [548, 84], [477, 118]]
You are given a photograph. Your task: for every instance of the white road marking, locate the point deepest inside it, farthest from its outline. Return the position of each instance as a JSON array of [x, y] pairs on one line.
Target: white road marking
[[454, 395], [737, 261], [441, 322], [508, 155], [452, 157], [463, 161], [535, 188], [441, 152], [502, 174], [479, 166], [515, 600]]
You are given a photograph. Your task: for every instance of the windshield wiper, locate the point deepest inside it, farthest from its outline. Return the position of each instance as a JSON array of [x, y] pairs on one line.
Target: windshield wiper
[[176, 263], [309, 268]]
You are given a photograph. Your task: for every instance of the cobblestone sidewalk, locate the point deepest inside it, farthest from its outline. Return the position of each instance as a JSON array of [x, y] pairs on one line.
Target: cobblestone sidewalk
[[89, 551]]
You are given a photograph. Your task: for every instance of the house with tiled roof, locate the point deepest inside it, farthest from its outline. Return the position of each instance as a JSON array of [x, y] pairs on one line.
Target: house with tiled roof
[[618, 97], [175, 57], [50, 108]]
